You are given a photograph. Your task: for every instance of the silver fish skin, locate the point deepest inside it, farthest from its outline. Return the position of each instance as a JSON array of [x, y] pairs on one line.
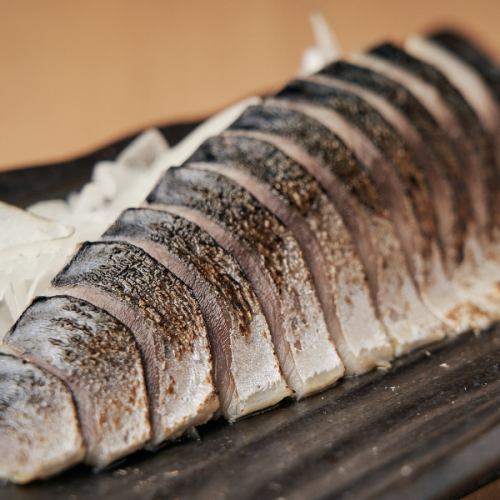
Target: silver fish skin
[[340, 158], [39, 430], [98, 359], [476, 149], [473, 54], [473, 306], [405, 191], [478, 86], [456, 115]]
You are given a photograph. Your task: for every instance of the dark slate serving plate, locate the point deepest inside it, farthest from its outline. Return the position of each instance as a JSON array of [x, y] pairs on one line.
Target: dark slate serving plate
[[429, 427]]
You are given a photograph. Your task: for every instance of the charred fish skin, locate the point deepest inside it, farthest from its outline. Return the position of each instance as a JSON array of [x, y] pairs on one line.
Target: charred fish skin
[[404, 194], [471, 54], [481, 263], [462, 76], [39, 430], [319, 142], [247, 373], [297, 199], [166, 322], [476, 145], [274, 264], [98, 358], [468, 307], [476, 87], [385, 138], [444, 156], [481, 100], [348, 185]]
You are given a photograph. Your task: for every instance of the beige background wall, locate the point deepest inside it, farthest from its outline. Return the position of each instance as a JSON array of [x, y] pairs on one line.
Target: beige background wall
[[77, 74]]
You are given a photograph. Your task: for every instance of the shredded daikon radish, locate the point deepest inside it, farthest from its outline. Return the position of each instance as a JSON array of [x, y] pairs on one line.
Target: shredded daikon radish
[[325, 50]]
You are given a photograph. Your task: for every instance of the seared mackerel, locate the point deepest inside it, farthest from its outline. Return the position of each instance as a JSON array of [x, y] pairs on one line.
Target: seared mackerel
[[449, 197], [166, 321], [274, 264], [255, 161], [247, 374], [333, 213], [472, 55], [346, 181], [39, 428], [456, 116], [476, 149], [98, 358]]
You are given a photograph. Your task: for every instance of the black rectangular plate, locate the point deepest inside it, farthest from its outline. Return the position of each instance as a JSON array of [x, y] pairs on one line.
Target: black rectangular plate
[[429, 427]]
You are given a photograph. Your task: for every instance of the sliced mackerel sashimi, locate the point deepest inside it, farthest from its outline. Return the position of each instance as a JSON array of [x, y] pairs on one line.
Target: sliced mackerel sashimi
[[166, 322], [98, 359], [471, 70], [456, 116], [478, 84], [464, 77], [254, 160], [247, 374], [273, 262], [450, 199], [472, 54], [401, 189], [39, 431], [305, 132], [383, 136], [398, 108]]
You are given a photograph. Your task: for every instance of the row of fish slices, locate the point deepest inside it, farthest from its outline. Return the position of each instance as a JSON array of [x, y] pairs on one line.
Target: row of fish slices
[[168, 328], [475, 142], [328, 146], [255, 184], [242, 257], [259, 191], [439, 166], [460, 309]]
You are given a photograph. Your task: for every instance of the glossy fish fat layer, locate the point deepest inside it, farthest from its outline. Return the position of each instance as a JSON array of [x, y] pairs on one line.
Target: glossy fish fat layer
[[350, 218]]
